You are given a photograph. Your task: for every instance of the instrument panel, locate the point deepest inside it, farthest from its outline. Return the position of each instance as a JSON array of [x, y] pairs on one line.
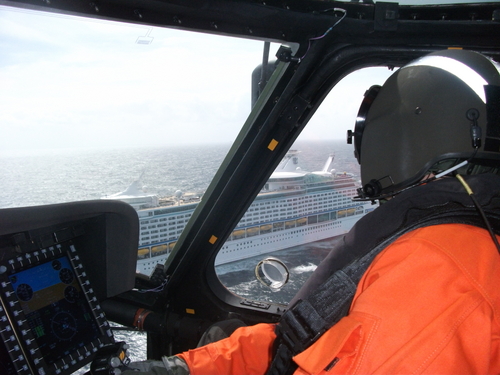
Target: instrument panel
[[51, 321]]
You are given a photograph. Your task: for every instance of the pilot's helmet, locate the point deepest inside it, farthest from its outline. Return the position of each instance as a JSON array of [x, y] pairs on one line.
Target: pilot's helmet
[[429, 116]]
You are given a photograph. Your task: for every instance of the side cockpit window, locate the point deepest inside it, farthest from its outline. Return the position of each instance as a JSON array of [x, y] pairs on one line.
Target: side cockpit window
[[305, 207]]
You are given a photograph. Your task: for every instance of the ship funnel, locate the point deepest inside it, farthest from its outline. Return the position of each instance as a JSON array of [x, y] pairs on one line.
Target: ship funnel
[[290, 162], [328, 162]]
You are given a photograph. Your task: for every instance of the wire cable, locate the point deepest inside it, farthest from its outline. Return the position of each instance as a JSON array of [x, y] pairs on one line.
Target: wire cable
[[159, 288], [424, 181], [344, 13], [480, 209]]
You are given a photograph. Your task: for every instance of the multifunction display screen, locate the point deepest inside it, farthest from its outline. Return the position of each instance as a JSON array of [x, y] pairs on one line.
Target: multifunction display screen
[[50, 319], [55, 308]]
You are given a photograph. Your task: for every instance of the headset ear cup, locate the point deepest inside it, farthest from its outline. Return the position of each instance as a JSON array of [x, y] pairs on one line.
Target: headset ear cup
[[373, 188], [359, 127]]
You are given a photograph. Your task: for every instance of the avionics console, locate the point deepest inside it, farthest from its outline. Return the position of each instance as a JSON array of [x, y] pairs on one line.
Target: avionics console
[[50, 320], [57, 263]]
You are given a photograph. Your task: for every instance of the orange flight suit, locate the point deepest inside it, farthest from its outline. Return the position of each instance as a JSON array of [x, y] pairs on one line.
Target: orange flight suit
[[428, 304]]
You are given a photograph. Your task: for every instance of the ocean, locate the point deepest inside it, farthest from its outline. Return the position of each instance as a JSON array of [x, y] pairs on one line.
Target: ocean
[[38, 177], [35, 177]]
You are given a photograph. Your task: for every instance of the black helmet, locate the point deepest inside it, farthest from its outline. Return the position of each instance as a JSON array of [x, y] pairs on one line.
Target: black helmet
[[429, 115]]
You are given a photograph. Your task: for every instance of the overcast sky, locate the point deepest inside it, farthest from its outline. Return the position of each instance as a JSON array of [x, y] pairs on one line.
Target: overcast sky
[[71, 82]]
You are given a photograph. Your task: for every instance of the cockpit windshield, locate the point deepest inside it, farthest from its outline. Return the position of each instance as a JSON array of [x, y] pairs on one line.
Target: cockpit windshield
[[91, 108]]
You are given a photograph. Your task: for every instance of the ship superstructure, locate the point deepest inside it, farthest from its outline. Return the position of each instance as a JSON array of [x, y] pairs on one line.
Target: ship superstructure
[[294, 207]]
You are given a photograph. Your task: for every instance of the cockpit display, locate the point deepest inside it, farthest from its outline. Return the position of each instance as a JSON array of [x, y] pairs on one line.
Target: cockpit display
[[50, 320]]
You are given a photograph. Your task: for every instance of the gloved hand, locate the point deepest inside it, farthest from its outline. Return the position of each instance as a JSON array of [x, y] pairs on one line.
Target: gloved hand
[[167, 366]]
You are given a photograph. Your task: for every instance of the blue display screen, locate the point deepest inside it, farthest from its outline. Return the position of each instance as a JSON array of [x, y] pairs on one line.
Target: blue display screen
[[55, 308]]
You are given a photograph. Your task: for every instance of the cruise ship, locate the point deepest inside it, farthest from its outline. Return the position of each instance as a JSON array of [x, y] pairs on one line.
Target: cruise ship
[[294, 207]]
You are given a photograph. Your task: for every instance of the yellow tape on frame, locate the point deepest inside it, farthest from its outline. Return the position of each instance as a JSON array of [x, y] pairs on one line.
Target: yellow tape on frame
[[272, 145]]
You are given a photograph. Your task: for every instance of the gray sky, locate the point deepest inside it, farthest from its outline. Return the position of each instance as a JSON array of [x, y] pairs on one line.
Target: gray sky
[[71, 82]]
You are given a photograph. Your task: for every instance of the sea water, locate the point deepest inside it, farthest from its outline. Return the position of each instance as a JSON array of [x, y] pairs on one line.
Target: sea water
[[35, 177], [38, 177]]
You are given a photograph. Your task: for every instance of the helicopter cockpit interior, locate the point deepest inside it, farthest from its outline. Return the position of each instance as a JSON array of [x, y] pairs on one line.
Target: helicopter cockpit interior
[[68, 280]]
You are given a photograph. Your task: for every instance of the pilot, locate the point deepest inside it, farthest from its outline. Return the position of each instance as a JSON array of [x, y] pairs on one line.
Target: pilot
[[414, 286]]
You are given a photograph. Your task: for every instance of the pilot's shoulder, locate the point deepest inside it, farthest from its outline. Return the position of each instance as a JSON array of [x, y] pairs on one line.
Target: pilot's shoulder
[[465, 251]]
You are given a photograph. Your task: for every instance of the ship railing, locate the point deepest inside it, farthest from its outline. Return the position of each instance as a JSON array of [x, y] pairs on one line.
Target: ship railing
[[294, 222]]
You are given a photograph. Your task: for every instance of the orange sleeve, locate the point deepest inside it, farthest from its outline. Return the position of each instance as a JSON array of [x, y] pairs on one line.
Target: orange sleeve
[[247, 351]]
